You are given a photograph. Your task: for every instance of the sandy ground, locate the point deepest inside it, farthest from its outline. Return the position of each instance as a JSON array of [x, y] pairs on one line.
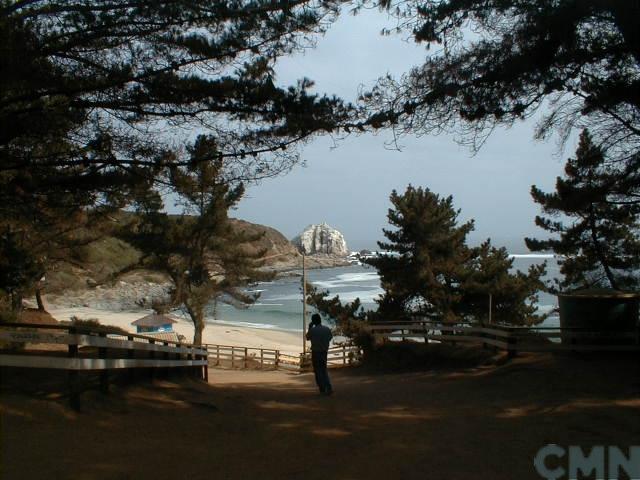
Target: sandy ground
[[486, 422], [220, 334]]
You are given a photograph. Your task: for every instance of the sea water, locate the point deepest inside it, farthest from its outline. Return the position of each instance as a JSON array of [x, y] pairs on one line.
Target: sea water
[[279, 305]]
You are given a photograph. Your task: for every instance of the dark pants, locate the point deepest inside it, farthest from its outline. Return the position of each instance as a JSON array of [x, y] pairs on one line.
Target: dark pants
[[319, 361]]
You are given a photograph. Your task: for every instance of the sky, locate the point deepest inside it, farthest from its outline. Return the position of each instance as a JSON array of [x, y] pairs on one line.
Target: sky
[[347, 183]]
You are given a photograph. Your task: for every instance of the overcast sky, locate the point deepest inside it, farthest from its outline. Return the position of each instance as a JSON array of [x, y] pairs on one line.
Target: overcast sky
[[348, 187]]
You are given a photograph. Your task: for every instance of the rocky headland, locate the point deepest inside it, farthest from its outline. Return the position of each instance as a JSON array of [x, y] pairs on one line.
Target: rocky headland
[[321, 239], [90, 283]]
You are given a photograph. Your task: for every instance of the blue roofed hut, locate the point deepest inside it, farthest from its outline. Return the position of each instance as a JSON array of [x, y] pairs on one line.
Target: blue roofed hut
[[155, 322]]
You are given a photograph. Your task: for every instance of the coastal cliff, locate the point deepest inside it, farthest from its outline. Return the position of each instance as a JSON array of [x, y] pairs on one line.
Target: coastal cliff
[[88, 281], [284, 256]]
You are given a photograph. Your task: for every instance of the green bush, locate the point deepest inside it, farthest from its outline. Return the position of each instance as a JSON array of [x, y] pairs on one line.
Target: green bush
[[93, 323]]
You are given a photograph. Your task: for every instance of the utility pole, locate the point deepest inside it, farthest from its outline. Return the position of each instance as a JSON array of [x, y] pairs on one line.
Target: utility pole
[[304, 305]]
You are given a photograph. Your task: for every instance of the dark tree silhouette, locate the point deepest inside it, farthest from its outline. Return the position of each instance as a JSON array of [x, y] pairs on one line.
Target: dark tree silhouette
[[118, 78], [494, 62], [205, 257], [430, 270], [423, 272], [98, 99], [427, 269], [600, 246]]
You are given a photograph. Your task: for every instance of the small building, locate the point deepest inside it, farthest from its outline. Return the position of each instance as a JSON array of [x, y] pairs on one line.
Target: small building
[[155, 322]]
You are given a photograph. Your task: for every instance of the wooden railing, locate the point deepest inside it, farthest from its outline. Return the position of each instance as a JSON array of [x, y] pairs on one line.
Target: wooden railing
[[337, 356], [228, 356], [512, 339], [77, 348], [242, 357], [289, 362], [343, 356]]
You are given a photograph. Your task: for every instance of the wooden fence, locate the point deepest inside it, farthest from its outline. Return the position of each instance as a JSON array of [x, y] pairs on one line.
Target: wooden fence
[[508, 338], [228, 356], [76, 348], [337, 356], [242, 357], [512, 339], [343, 356]]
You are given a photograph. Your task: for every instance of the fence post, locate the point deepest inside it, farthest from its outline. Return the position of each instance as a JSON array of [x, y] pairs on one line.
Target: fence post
[[130, 354], [277, 358], [511, 347], [261, 359], [165, 355], [217, 355], [233, 357], [344, 355], [246, 355], [104, 374], [74, 396], [205, 367], [152, 355]]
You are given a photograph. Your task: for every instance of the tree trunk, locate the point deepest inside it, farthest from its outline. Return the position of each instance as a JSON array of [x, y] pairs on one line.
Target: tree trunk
[[197, 335], [39, 301], [197, 317], [16, 302], [599, 250]]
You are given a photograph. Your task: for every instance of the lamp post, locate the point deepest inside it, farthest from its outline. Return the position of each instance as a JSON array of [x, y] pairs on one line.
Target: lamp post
[[304, 305]]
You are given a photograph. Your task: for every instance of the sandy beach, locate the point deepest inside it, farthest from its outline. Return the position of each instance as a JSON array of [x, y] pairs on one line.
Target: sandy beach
[[220, 334]]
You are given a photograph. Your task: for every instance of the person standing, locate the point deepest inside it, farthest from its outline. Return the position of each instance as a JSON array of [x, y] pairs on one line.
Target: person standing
[[320, 337]]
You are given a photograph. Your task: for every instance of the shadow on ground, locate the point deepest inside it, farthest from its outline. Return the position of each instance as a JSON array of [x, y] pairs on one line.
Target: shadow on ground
[[454, 424]]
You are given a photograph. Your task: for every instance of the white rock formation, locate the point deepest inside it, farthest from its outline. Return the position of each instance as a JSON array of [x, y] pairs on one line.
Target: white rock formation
[[321, 239]]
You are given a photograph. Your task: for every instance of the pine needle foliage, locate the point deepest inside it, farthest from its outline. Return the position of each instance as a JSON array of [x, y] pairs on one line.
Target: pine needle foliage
[[594, 231]]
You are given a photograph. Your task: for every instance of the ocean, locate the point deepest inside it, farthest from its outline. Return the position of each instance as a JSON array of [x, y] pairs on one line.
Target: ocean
[[280, 303]]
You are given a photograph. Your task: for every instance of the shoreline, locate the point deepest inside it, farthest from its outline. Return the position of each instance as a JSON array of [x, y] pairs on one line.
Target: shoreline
[[214, 333], [131, 298]]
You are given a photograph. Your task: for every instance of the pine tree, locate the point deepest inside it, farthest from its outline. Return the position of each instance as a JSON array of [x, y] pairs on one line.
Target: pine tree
[[205, 257], [40, 231], [19, 269], [494, 62], [96, 95], [430, 270], [422, 272], [600, 248], [113, 77], [513, 295]]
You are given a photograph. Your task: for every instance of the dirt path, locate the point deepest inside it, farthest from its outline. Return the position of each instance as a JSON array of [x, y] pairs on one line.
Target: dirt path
[[486, 422]]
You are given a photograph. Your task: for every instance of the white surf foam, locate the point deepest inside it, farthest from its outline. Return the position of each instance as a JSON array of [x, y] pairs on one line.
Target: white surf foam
[[263, 326], [283, 298], [259, 326], [347, 279], [365, 296], [532, 255]]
